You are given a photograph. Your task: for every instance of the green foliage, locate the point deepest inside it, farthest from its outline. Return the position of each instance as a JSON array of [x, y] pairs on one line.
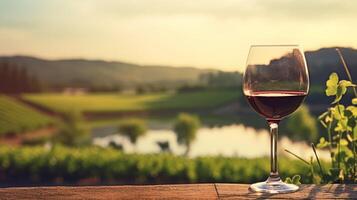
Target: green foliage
[[17, 118], [337, 88], [186, 127], [301, 125], [340, 122], [72, 132], [132, 129], [113, 102], [294, 180], [354, 101], [42, 165], [331, 85]]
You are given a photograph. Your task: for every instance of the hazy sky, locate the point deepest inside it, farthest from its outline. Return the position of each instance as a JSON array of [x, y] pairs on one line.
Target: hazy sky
[[201, 33]]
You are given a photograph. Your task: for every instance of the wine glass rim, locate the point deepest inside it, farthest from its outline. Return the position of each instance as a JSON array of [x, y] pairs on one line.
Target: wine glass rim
[[274, 45]]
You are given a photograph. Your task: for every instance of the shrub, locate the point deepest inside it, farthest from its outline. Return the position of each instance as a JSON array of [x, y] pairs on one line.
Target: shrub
[[186, 127], [302, 126], [72, 132], [132, 129]]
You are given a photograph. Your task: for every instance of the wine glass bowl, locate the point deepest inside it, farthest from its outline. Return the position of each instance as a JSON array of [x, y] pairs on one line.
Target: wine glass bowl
[[275, 83]]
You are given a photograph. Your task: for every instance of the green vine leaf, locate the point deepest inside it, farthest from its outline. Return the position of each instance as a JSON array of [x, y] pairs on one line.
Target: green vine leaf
[[342, 125], [341, 175], [340, 90], [331, 84], [288, 180], [353, 110], [343, 142], [328, 119], [338, 112], [322, 143], [296, 180], [345, 83], [354, 101]]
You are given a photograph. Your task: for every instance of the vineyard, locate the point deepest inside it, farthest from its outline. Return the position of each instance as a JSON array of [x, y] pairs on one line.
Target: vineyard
[[112, 102], [73, 165], [17, 118]]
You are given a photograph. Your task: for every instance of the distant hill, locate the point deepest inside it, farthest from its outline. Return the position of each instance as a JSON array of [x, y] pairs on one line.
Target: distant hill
[[324, 61], [321, 64], [81, 72]]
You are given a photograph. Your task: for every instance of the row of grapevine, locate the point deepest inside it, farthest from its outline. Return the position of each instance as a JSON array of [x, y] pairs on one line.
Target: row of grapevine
[[16, 117]]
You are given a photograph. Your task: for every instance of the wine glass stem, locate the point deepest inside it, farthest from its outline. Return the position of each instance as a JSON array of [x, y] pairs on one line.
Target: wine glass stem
[[274, 174]]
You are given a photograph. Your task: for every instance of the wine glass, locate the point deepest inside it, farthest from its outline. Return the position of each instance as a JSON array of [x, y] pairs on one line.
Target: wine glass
[[275, 83]]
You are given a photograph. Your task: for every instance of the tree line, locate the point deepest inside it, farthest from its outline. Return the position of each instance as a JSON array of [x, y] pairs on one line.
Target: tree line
[[15, 79]]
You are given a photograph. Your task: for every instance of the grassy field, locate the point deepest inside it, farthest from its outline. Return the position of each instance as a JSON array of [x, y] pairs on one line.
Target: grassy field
[[111, 102], [16, 117]]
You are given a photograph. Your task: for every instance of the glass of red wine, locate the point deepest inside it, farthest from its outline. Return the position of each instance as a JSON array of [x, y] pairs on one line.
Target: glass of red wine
[[275, 83]]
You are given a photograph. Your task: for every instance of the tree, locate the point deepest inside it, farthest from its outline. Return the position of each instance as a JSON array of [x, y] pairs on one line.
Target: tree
[[72, 132], [186, 127], [132, 129], [302, 126], [15, 80]]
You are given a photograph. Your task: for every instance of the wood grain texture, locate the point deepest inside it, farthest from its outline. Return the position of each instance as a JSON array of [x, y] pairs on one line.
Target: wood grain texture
[[331, 191], [191, 191], [183, 191]]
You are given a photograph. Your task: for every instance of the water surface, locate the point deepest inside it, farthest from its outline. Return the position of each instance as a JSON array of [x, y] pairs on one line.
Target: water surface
[[230, 140]]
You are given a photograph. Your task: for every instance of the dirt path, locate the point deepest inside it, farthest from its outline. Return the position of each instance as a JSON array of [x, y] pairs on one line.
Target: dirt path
[[18, 139]]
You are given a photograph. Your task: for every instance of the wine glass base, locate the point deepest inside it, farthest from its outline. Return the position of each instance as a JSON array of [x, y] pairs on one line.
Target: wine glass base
[[273, 187]]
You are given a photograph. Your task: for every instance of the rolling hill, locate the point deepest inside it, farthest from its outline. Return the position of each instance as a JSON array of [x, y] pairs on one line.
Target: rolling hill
[[324, 61], [81, 72]]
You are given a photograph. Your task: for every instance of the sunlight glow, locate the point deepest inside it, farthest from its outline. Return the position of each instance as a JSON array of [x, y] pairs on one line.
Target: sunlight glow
[[205, 34]]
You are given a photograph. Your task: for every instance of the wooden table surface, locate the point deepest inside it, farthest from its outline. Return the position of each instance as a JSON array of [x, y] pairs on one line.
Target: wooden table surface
[[182, 191]]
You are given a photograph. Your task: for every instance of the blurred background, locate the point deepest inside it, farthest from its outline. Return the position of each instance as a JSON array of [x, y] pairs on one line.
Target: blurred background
[[149, 91]]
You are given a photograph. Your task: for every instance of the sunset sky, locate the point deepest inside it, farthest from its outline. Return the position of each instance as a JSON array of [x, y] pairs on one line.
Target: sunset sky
[[200, 33]]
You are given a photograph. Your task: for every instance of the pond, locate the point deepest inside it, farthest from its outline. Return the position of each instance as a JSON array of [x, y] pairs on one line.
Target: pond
[[230, 140]]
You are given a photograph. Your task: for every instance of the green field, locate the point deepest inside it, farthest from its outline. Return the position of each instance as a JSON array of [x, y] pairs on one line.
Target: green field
[[16, 117], [110, 102]]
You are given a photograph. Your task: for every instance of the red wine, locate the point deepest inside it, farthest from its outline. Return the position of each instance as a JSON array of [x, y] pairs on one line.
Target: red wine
[[275, 105]]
